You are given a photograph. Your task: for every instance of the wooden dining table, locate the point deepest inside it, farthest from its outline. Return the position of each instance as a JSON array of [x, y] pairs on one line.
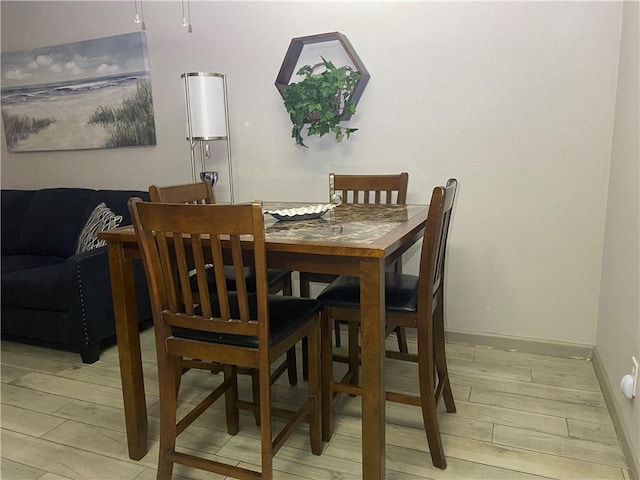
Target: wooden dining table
[[352, 239]]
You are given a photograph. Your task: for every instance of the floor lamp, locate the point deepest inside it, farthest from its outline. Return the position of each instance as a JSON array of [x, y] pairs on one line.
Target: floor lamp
[[207, 120]]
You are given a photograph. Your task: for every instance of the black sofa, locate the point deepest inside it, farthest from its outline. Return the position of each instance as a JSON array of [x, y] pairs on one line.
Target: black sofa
[[50, 293]]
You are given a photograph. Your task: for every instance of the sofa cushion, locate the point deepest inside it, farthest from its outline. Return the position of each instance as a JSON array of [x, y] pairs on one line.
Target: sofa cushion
[[44, 288], [52, 222], [13, 263], [102, 218], [13, 205]]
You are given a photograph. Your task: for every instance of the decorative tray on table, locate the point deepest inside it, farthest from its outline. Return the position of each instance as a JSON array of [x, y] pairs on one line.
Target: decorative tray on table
[[308, 212]]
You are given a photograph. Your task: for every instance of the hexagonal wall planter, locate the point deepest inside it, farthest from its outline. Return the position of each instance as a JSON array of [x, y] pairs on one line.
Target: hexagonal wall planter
[[293, 55]]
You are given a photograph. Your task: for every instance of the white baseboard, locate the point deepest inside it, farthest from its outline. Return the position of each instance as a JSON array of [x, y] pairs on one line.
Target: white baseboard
[[503, 342], [630, 454]]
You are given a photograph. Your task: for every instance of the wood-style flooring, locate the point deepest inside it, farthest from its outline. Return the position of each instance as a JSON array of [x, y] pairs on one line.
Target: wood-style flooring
[[520, 416]]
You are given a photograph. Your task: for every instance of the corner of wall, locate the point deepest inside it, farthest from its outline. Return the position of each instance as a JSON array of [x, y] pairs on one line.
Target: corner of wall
[[617, 417]]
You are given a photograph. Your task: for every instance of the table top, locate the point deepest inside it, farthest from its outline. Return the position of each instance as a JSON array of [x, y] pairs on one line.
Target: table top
[[347, 223], [353, 226]]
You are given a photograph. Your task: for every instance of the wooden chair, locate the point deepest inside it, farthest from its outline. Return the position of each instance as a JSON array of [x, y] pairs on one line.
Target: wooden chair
[[238, 329], [411, 301], [197, 193], [278, 280], [389, 189]]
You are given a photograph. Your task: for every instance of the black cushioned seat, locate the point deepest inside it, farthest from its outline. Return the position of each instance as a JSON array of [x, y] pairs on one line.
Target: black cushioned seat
[[281, 312], [401, 294]]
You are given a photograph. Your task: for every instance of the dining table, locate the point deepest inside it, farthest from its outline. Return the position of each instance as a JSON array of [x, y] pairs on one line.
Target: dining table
[[350, 239]]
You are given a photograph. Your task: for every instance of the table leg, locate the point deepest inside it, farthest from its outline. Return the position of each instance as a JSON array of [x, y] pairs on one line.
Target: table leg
[[126, 317], [372, 378]]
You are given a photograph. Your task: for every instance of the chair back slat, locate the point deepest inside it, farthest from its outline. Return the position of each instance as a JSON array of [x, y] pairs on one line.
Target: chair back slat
[[181, 269], [168, 266], [241, 285], [377, 189], [184, 241], [219, 274], [200, 274]]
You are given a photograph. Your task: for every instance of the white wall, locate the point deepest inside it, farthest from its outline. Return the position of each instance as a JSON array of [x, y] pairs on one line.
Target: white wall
[[618, 334], [515, 99]]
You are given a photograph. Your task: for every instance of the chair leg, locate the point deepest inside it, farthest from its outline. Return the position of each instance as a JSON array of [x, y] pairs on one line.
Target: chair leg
[[440, 357], [178, 378], [305, 286], [255, 390], [401, 335], [168, 406], [305, 359], [231, 399], [314, 393], [305, 291], [326, 357], [336, 328], [428, 401], [292, 368], [265, 423], [429, 416], [354, 353]]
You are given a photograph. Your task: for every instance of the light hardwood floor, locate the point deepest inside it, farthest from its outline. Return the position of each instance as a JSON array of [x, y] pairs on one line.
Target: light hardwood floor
[[520, 416]]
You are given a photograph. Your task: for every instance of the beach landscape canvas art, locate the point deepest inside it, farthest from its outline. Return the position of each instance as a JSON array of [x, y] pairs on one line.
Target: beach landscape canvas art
[[82, 95]]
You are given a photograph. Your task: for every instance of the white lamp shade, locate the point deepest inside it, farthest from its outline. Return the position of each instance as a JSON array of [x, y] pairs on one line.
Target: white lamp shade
[[205, 102]]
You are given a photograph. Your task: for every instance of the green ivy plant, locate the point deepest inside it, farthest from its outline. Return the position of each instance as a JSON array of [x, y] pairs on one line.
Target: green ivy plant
[[321, 100]]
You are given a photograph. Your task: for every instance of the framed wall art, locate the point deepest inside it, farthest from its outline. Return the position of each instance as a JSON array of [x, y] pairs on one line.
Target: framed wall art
[[83, 95]]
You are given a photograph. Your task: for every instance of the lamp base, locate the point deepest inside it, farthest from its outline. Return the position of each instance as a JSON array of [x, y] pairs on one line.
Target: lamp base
[[209, 177]]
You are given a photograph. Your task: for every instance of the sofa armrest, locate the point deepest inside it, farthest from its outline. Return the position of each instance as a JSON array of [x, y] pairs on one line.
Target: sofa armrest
[[91, 303]]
